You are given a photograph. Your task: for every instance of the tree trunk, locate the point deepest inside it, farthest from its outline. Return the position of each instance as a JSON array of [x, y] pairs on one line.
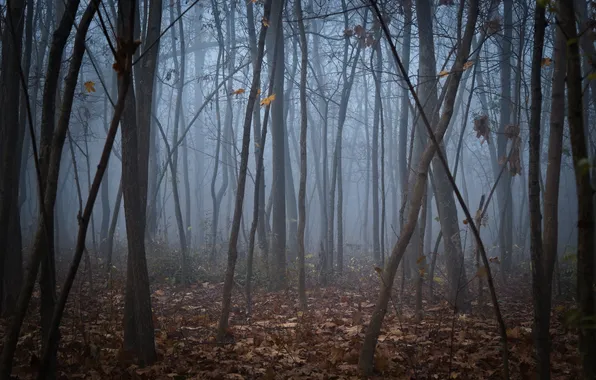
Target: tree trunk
[[374, 327], [585, 223], [278, 238], [217, 197], [145, 101], [541, 289], [180, 68], [222, 330], [11, 142], [138, 316], [50, 166], [112, 231], [504, 189], [303, 156], [375, 150]]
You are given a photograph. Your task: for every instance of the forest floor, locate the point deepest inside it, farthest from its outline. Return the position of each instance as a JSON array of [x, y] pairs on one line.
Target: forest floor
[[280, 342]]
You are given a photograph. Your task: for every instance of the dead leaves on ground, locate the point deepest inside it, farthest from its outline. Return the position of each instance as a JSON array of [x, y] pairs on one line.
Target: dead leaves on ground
[[281, 342]]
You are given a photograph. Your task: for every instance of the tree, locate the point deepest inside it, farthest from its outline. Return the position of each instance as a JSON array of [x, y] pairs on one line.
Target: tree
[[222, 329], [11, 137], [365, 362], [585, 207], [138, 317], [504, 189], [278, 239], [541, 289], [303, 156]]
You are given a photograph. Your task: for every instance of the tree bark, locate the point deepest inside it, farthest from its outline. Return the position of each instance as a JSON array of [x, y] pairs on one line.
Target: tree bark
[[11, 142], [541, 290], [303, 156], [504, 189], [585, 223], [278, 238], [138, 316]]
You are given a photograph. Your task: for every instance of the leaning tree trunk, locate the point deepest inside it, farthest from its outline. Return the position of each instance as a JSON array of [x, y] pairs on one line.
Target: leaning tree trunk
[[52, 339], [51, 168], [447, 210], [416, 196]]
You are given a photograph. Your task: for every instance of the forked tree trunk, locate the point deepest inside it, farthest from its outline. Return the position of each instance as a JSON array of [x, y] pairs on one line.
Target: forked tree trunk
[[180, 68], [416, 197], [52, 155], [222, 330], [52, 339], [138, 316]]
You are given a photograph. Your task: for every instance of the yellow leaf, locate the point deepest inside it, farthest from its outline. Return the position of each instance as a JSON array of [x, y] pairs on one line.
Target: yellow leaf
[[443, 73], [267, 101], [468, 64], [591, 76], [259, 91], [265, 22], [90, 86], [238, 91], [546, 62]]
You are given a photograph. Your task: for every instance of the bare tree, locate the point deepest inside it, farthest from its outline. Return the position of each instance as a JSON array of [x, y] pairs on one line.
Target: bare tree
[[138, 317], [222, 329], [585, 207], [11, 137], [303, 156], [368, 348], [278, 238]]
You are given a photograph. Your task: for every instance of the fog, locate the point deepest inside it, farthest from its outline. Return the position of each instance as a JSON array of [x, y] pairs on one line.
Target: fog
[[207, 76]]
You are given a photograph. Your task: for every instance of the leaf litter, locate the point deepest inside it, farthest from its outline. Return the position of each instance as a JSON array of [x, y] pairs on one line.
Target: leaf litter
[[281, 342]]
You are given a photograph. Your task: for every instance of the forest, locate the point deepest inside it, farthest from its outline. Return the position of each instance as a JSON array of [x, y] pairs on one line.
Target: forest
[[297, 189]]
